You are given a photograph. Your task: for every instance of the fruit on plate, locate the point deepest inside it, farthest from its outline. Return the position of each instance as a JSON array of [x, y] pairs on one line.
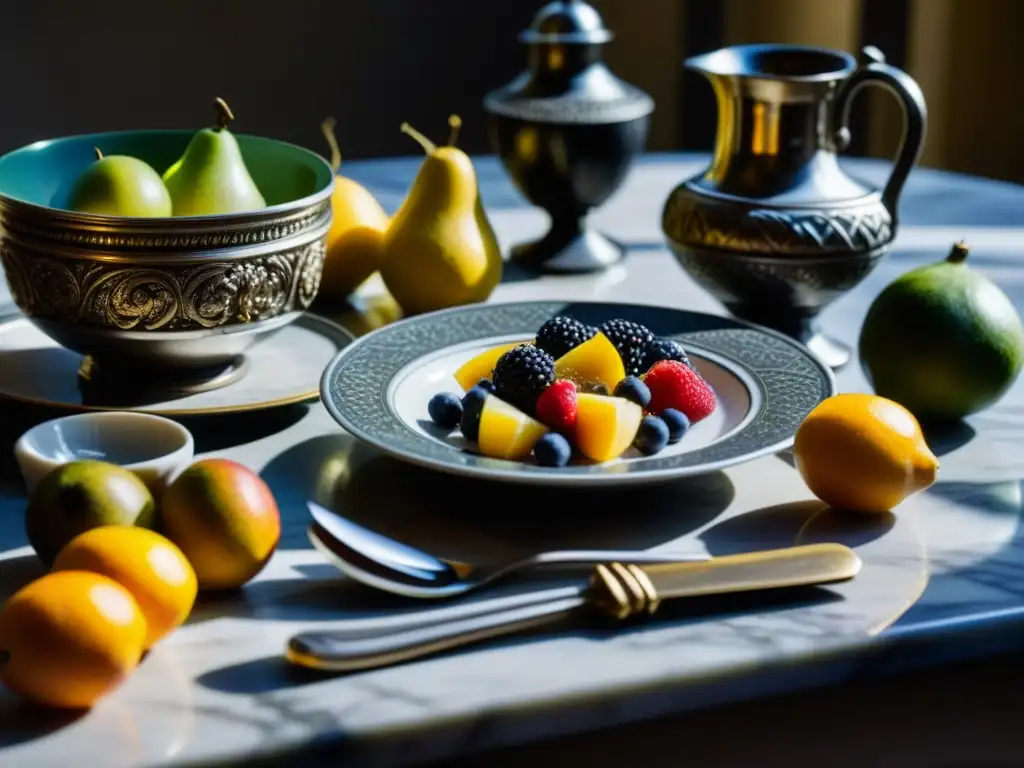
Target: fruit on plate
[[552, 450], [664, 349], [594, 362], [440, 250], [506, 432], [652, 436], [357, 230], [676, 385], [81, 495], [225, 519], [863, 452], [556, 406], [576, 389], [481, 366], [211, 176], [69, 638], [942, 340], [148, 565], [605, 426], [522, 374], [561, 334], [117, 185], [631, 340]]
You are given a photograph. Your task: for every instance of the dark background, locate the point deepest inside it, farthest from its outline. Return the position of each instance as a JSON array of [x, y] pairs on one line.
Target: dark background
[[75, 67]]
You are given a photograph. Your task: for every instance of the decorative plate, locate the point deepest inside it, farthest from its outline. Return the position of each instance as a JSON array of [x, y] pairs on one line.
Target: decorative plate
[[378, 388], [282, 369]]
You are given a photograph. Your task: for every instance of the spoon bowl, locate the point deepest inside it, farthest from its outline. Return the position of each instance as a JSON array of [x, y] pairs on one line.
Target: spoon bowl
[[388, 565]]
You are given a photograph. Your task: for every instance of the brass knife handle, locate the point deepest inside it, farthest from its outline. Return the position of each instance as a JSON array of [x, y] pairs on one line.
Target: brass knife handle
[[624, 590]]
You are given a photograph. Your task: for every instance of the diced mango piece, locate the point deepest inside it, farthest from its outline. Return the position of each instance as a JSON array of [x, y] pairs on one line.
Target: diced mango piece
[[595, 361], [481, 366], [605, 426], [506, 432]]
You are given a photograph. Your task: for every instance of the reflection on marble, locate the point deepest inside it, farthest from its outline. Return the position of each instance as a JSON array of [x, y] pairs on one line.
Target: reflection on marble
[[947, 562]]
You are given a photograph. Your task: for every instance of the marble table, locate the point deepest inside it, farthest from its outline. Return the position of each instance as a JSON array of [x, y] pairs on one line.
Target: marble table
[[943, 577]]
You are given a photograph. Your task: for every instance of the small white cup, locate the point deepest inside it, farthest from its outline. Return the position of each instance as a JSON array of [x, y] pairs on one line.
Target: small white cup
[[156, 449]]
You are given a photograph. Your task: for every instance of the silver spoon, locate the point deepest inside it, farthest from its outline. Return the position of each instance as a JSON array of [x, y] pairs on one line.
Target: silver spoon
[[385, 564]]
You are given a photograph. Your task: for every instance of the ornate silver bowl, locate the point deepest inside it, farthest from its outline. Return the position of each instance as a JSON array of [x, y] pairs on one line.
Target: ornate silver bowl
[[172, 300]]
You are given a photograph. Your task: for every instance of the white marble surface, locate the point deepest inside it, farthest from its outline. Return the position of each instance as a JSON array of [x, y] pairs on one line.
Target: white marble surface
[[218, 691]]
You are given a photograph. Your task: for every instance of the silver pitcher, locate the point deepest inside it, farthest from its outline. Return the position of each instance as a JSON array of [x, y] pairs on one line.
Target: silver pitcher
[[774, 228]]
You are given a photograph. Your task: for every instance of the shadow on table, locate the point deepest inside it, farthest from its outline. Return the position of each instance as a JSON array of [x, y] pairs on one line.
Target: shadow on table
[[275, 673], [22, 721], [328, 597]]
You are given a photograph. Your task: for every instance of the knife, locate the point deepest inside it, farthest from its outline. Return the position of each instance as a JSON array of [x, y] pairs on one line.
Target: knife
[[617, 590]]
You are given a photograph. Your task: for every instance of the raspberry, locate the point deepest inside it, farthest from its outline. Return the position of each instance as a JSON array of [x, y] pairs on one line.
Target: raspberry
[[676, 385], [521, 374], [664, 349], [556, 406], [631, 340], [562, 334]]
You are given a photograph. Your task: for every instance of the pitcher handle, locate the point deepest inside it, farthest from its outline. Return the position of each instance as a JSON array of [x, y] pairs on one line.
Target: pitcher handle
[[872, 70]]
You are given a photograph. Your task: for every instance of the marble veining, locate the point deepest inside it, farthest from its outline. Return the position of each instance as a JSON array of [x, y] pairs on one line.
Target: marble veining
[[219, 691]]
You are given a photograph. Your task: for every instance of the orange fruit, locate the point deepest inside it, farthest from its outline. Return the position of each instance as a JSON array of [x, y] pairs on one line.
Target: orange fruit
[[506, 432], [225, 519], [69, 638], [605, 426], [481, 366], [595, 361], [863, 452], [145, 563]]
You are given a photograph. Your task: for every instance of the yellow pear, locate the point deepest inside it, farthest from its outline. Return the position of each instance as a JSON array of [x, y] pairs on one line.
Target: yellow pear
[[357, 231], [440, 250]]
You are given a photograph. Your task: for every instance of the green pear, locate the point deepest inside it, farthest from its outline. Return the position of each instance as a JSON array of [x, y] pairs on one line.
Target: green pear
[[211, 177], [119, 185], [440, 249]]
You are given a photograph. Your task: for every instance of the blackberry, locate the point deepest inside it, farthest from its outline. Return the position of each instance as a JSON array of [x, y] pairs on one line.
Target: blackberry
[[631, 340], [521, 374], [664, 349], [562, 334]]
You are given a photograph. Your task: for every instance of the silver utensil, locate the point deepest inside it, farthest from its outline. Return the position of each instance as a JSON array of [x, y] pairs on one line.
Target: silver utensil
[[616, 590], [385, 564]]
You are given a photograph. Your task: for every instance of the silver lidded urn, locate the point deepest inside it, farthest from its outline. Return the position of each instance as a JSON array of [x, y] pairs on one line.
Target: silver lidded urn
[[567, 131], [774, 228]]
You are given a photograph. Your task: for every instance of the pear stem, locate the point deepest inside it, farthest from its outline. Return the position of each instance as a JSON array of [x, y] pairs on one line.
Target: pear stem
[[99, 155], [428, 146], [455, 123], [224, 113], [327, 126], [958, 253]]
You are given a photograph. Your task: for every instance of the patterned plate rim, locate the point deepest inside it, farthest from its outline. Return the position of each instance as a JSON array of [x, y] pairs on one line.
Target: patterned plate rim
[[355, 384]]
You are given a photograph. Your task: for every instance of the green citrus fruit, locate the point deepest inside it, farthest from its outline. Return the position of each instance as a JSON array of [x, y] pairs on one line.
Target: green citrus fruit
[[82, 495], [942, 340]]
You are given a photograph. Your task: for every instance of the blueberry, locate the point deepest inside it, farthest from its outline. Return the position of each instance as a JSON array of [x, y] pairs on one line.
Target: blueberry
[[552, 450], [486, 384], [597, 389], [652, 436], [677, 422], [472, 405], [445, 410], [633, 389]]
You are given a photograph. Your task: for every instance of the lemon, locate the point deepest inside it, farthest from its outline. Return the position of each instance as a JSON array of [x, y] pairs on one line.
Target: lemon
[[863, 453]]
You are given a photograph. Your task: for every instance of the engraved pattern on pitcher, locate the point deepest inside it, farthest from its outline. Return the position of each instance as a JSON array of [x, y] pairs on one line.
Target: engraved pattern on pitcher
[[163, 298], [778, 231]]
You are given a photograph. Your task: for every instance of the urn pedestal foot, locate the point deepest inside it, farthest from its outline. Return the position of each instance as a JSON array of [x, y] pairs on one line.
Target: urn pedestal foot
[[119, 385], [569, 247], [804, 329]]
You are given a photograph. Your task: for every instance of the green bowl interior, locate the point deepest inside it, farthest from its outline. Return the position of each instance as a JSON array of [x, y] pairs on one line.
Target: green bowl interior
[[42, 173]]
